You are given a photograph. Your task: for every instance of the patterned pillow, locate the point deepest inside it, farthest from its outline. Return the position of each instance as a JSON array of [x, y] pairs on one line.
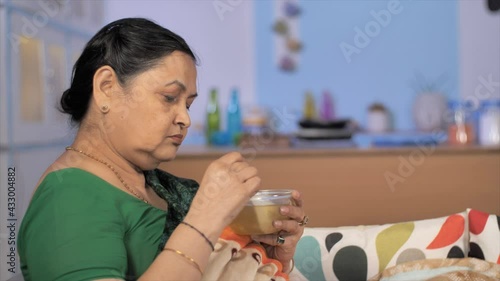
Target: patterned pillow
[[484, 231], [358, 253]]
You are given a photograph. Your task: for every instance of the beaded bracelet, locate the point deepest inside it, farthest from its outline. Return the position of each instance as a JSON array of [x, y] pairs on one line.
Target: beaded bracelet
[[186, 257], [201, 233]]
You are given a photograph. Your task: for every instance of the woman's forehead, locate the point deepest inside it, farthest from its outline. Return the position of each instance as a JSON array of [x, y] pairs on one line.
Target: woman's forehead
[[176, 69]]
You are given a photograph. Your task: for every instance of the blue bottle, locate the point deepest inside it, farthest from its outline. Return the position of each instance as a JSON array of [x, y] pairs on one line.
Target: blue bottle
[[234, 126]]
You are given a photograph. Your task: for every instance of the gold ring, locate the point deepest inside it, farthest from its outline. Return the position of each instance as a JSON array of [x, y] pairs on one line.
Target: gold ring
[[280, 240], [304, 221]]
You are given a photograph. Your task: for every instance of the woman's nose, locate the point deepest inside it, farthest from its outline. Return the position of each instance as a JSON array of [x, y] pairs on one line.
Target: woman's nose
[[182, 118]]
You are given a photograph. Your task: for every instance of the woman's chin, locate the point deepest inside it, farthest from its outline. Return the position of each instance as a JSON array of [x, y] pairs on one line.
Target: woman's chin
[[166, 153]]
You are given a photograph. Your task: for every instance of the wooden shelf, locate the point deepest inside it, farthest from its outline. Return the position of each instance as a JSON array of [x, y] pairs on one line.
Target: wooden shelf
[[207, 151], [370, 186]]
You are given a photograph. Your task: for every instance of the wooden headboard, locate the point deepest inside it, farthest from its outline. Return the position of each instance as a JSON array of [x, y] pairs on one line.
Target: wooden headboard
[[371, 186]]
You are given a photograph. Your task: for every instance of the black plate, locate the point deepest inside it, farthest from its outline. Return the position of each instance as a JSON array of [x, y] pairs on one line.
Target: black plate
[[318, 124]]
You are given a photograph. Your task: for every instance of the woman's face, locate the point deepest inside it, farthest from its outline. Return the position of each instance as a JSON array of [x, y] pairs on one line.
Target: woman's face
[[149, 119]]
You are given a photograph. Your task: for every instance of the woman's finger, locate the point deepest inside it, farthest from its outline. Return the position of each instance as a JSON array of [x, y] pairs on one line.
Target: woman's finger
[[231, 157], [247, 173], [293, 212], [253, 183], [237, 167], [298, 198], [280, 239], [289, 226]]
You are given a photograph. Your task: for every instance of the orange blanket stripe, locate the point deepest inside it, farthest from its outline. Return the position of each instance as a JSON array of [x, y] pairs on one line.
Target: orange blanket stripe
[[246, 242]]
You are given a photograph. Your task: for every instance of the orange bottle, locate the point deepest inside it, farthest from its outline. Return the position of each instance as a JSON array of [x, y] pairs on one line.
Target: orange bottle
[[460, 129]]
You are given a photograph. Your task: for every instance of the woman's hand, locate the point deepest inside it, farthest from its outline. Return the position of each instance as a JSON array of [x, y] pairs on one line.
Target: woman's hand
[[227, 185], [291, 230]]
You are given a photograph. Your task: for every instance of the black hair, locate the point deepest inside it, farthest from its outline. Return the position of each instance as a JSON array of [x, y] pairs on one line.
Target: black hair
[[130, 46]]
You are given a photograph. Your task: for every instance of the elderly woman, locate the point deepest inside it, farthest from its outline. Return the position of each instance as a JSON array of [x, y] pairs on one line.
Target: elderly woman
[[102, 211]]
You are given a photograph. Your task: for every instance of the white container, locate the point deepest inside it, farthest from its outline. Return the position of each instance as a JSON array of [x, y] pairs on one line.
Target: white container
[[489, 123], [260, 211], [378, 119]]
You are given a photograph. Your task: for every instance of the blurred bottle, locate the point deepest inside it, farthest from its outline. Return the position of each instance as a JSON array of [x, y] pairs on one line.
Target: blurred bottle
[[213, 116], [489, 123], [461, 128], [255, 120], [327, 107], [234, 126], [309, 107]]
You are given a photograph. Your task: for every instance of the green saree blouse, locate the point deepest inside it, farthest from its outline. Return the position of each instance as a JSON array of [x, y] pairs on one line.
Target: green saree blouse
[[80, 227]]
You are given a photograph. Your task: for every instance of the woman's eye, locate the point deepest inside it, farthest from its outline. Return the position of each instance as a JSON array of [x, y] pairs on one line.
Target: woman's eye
[[170, 98]]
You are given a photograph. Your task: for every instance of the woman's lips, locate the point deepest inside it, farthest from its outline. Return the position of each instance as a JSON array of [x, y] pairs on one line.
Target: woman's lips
[[177, 138]]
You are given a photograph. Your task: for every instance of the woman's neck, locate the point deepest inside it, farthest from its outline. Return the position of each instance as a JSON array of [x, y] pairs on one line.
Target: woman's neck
[[92, 142]]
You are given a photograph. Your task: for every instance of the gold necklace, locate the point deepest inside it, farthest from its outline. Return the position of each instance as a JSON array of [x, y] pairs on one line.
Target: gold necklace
[[112, 169]]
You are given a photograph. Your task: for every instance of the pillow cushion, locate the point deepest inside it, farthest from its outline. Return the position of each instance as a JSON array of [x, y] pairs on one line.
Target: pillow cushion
[[484, 231], [357, 253], [442, 269]]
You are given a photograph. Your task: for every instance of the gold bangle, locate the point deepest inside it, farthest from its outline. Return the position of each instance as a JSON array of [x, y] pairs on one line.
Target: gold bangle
[[186, 257]]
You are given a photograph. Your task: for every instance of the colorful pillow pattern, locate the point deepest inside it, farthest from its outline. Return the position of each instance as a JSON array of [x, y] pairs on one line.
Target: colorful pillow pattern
[[484, 231], [358, 253]]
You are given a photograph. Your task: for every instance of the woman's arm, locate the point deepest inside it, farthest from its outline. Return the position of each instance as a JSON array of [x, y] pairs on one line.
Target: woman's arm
[[170, 265], [227, 185]]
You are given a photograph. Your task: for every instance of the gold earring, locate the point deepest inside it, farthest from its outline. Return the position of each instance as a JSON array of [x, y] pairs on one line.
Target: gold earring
[[104, 109]]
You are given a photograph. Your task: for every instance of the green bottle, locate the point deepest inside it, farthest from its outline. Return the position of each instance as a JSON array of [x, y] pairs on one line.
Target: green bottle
[[213, 116]]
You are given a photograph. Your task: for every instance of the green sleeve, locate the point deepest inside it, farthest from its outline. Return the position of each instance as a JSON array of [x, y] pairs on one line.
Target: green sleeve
[[72, 234]]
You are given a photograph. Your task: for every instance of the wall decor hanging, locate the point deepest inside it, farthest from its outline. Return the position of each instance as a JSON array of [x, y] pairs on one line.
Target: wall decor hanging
[[286, 28]]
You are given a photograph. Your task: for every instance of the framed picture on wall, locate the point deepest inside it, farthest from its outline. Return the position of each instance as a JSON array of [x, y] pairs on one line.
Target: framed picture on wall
[[38, 74]]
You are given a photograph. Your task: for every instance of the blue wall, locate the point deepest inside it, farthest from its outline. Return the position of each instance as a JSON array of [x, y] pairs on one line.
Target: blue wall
[[422, 37]]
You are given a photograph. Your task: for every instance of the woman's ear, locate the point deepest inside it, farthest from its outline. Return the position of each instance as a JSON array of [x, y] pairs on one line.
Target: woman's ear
[[105, 82]]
